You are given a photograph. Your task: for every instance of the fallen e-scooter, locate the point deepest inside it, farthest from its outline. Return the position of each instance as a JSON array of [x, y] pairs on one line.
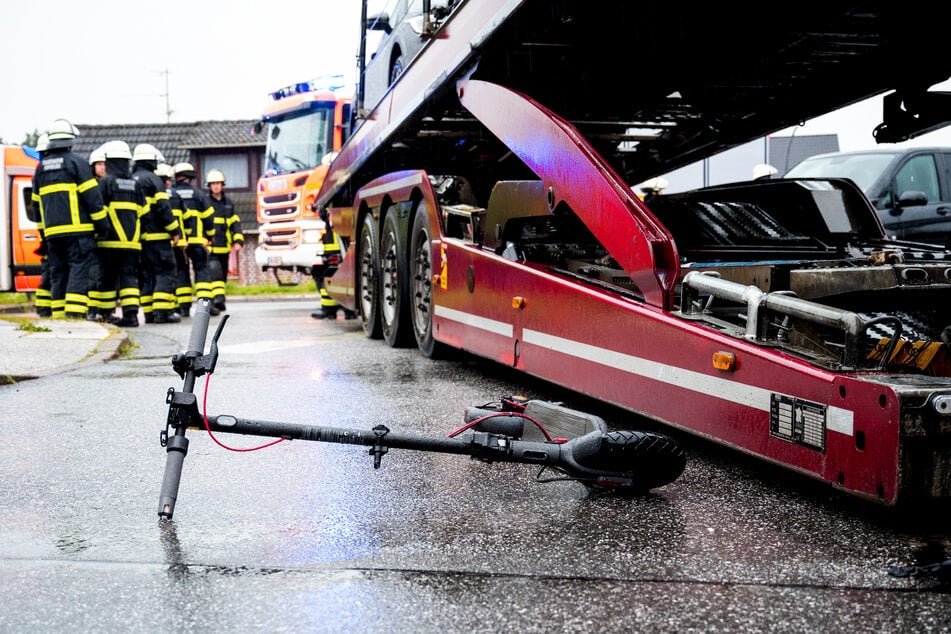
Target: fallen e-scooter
[[580, 449]]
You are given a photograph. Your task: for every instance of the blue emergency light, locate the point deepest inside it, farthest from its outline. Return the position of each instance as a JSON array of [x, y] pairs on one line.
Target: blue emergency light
[[324, 82]]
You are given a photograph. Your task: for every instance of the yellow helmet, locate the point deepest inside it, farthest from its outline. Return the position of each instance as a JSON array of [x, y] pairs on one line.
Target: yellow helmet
[[215, 176]]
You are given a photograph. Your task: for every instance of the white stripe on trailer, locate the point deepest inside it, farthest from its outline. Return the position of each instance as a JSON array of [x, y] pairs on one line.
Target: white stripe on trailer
[[482, 323], [837, 419]]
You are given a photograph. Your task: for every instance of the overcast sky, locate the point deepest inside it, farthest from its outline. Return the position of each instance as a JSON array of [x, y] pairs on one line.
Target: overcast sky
[[108, 62], [105, 61]]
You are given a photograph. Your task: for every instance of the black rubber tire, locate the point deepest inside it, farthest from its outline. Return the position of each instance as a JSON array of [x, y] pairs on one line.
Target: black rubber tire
[[421, 273], [650, 459], [394, 285], [368, 279]]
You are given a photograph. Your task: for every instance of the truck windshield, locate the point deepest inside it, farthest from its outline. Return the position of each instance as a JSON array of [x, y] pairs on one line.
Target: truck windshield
[[297, 141], [861, 168]]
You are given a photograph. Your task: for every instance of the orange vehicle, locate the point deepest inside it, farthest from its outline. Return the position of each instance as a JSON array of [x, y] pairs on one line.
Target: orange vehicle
[[305, 125], [19, 264]]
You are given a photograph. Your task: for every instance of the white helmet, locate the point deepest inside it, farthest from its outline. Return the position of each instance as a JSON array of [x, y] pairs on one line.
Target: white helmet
[[98, 155], [61, 134], [184, 169], [43, 143], [147, 152], [165, 171], [654, 185], [763, 170], [117, 150], [215, 176]]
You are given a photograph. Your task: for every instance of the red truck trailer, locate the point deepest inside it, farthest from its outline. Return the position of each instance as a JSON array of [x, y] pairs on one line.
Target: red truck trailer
[[486, 205]]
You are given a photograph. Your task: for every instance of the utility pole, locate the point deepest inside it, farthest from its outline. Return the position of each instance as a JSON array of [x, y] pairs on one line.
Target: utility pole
[[168, 105]]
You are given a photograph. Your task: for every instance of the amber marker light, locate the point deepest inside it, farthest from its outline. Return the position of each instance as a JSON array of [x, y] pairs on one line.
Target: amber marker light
[[518, 302], [725, 361]]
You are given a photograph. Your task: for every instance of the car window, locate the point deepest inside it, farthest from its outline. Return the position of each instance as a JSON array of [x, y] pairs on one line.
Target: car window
[[919, 174], [864, 169]]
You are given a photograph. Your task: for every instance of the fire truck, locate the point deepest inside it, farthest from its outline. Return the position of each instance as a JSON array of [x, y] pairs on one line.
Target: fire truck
[[305, 123], [486, 206], [19, 234]]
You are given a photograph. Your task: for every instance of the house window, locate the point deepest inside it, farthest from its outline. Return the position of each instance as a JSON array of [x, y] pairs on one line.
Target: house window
[[233, 166]]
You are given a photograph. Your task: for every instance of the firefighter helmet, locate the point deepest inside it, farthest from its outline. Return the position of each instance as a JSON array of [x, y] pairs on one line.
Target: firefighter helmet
[[763, 170], [117, 150], [147, 152], [215, 176], [654, 185], [43, 143], [184, 169], [98, 155], [165, 171], [61, 134]]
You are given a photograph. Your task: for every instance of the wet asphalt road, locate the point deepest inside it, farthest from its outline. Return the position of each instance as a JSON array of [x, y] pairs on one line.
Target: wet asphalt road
[[304, 536]]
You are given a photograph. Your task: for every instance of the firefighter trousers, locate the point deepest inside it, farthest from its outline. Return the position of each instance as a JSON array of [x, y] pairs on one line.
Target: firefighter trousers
[[158, 277], [118, 281], [70, 259]]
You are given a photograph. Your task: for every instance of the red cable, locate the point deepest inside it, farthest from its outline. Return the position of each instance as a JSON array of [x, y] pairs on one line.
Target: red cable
[[204, 406], [456, 432]]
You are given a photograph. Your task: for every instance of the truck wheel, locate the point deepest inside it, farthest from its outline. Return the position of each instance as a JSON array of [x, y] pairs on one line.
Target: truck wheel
[[369, 276], [421, 268], [394, 284]]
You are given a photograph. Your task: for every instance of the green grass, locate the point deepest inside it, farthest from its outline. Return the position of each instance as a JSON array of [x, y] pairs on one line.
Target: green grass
[[13, 298], [271, 289]]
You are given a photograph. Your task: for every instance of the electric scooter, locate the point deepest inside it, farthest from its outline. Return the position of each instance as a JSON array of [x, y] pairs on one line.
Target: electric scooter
[[573, 445]]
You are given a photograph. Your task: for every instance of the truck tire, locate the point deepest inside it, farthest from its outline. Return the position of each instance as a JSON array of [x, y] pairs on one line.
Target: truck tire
[[421, 270], [368, 290], [394, 284]]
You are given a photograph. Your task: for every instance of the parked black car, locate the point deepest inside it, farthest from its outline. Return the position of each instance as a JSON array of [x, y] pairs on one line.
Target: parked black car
[[909, 187]]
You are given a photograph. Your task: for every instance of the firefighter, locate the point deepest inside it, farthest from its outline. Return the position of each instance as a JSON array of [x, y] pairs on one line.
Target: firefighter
[[97, 160], [160, 234], [71, 215], [120, 248], [42, 298], [652, 188], [183, 284], [331, 257], [228, 236], [195, 215]]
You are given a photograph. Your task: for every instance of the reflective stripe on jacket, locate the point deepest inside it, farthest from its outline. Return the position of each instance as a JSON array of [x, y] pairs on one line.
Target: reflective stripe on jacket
[[125, 205], [67, 195], [227, 225], [194, 211]]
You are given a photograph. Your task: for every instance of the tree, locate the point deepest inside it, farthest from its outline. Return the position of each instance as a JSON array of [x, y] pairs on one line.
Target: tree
[[31, 138]]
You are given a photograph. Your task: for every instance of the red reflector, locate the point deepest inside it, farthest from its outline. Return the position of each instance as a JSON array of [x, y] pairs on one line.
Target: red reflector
[[333, 259]]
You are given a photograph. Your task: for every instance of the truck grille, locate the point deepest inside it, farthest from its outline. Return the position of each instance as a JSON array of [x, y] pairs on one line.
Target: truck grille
[[273, 213], [280, 238]]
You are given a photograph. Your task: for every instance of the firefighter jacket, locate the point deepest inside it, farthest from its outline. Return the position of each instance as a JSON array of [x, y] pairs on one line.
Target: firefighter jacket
[[227, 225], [67, 195], [158, 223], [125, 205], [194, 211]]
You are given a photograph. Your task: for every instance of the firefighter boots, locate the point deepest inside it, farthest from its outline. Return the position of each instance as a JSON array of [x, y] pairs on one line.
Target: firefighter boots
[[167, 317]]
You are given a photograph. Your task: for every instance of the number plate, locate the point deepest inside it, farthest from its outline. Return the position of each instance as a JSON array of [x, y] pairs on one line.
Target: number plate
[[274, 260]]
